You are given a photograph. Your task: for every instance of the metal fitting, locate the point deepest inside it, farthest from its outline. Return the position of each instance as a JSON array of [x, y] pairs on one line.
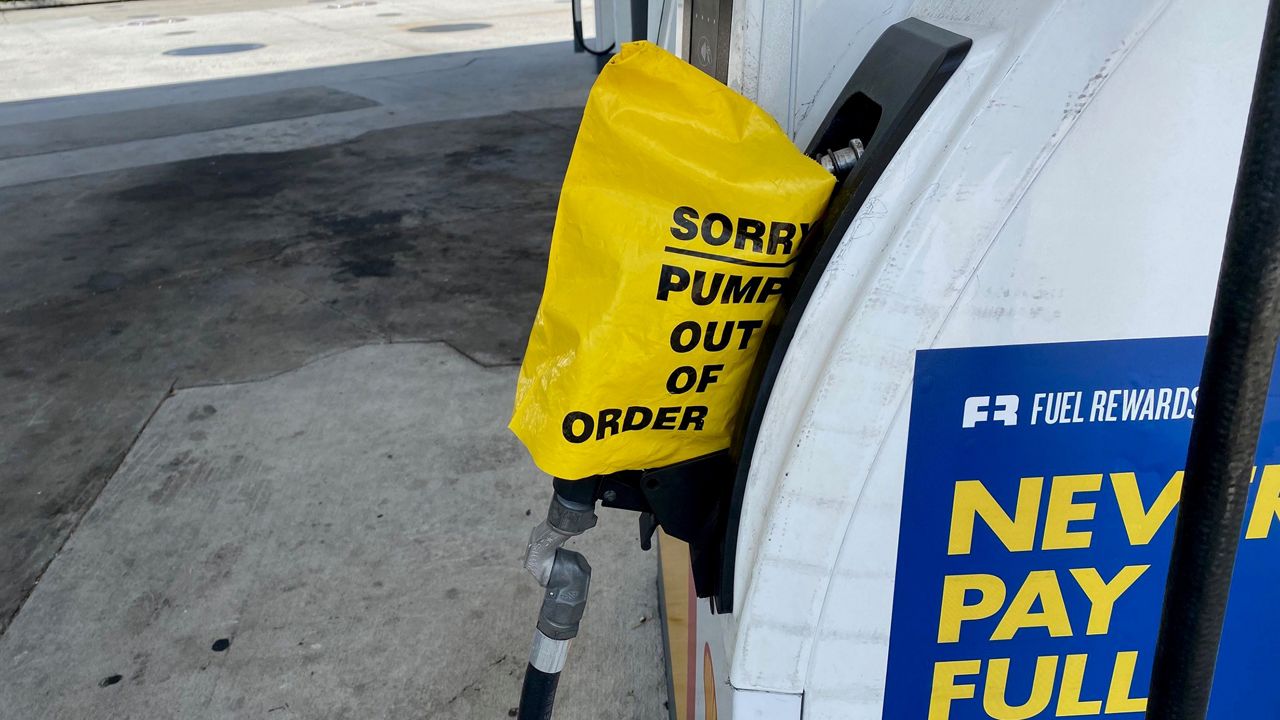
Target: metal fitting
[[547, 654], [566, 598], [842, 161], [565, 519], [569, 517], [567, 578]]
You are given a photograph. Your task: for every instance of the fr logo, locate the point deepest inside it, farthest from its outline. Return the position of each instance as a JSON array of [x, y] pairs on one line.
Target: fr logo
[[980, 408]]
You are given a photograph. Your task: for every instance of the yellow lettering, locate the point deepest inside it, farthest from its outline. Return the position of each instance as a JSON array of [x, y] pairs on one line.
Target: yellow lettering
[[1103, 595], [994, 696], [1266, 507], [1140, 523], [945, 688], [1118, 695], [1063, 510], [955, 589], [972, 500], [1069, 702], [1042, 585]]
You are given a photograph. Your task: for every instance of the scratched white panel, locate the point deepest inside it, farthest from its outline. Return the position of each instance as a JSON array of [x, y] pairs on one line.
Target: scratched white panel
[[794, 56], [832, 38], [895, 281]]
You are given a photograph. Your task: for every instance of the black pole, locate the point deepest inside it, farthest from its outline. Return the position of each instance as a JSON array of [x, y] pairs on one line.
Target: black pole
[[1243, 333]]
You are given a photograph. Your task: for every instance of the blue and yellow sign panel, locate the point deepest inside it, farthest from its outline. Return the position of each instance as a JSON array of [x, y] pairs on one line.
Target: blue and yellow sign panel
[[1040, 497]]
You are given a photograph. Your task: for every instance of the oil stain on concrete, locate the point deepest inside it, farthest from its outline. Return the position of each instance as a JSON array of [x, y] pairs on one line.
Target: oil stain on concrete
[[295, 369], [121, 286]]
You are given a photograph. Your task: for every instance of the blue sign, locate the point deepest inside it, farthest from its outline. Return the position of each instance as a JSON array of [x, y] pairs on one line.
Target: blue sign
[[1038, 512]]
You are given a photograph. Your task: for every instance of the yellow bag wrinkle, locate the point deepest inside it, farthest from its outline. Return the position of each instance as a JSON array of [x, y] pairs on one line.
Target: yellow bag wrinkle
[[683, 206]]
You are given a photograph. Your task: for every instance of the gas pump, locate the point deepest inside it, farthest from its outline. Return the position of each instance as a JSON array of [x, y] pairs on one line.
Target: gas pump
[[987, 414]]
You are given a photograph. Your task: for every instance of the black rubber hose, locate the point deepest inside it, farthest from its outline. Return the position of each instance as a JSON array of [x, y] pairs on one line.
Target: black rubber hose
[[538, 696], [579, 44], [1243, 333]]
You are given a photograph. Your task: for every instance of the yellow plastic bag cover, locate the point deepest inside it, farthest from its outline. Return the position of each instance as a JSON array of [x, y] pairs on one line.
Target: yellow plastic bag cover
[[683, 208]]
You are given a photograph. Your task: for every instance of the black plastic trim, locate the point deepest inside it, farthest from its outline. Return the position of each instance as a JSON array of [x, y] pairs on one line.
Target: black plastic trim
[[686, 499], [901, 75]]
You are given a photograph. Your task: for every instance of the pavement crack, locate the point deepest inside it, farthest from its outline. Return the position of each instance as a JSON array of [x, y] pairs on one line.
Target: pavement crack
[[469, 356], [472, 687], [84, 509], [262, 378]]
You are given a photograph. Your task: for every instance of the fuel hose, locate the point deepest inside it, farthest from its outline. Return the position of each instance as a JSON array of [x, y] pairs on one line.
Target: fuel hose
[[579, 43], [538, 694], [1239, 359]]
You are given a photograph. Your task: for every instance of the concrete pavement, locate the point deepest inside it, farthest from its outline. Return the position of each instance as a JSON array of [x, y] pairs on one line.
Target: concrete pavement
[[98, 120], [343, 234], [340, 541], [56, 52]]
